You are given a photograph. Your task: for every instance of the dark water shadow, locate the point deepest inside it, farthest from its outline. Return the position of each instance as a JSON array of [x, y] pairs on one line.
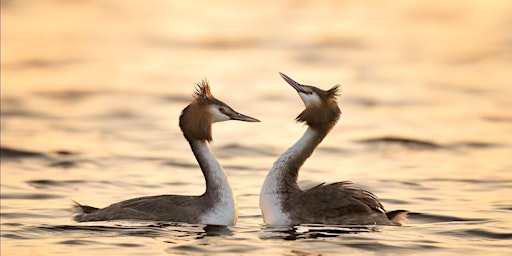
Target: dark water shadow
[[421, 144], [7, 153], [481, 234], [312, 231], [410, 143], [13, 153], [471, 228], [498, 118], [172, 230], [68, 96], [62, 158], [46, 183], [436, 218], [31, 196], [42, 63], [468, 180]]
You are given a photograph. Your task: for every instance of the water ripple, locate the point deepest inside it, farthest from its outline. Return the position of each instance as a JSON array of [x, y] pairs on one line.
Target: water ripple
[[71, 95], [42, 63], [313, 231], [53, 183], [7, 153], [406, 142], [438, 218], [488, 234], [30, 196], [145, 229], [418, 144], [23, 215]]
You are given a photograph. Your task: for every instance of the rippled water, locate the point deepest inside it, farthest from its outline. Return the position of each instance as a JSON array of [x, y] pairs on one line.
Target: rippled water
[[92, 90]]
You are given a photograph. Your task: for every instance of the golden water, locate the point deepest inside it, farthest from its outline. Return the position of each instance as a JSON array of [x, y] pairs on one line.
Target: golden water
[[93, 89]]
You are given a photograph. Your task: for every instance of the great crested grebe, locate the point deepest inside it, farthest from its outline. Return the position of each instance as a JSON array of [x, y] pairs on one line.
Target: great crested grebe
[[217, 206], [282, 202]]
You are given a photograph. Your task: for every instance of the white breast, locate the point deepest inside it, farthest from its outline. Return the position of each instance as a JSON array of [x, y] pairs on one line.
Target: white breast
[[271, 199], [270, 205], [225, 209], [225, 213]]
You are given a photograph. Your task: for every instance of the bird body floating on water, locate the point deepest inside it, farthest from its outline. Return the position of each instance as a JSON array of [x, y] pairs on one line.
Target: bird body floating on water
[[283, 202], [217, 206]]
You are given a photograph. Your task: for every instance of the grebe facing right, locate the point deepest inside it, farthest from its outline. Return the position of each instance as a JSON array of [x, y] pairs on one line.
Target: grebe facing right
[[282, 202], [217, 206]]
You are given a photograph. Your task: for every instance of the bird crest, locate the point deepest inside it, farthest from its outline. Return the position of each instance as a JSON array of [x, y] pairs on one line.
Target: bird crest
[[325, 114], [334, 92], [203, 93]]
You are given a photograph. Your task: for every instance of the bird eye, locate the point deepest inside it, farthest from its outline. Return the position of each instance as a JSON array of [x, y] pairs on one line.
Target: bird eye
[[221, 109]]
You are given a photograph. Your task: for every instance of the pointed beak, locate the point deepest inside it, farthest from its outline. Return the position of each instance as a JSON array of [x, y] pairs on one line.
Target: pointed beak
[[242, 117], [298, 87]]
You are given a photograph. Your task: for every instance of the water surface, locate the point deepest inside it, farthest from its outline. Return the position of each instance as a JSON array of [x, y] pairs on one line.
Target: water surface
[[92, 91]]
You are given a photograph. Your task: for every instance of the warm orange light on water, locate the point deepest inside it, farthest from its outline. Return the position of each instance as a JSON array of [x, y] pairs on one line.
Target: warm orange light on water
[[104, 84]]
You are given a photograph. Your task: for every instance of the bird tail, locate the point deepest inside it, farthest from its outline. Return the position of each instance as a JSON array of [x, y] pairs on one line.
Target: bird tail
[[398, 216], [81, 210]]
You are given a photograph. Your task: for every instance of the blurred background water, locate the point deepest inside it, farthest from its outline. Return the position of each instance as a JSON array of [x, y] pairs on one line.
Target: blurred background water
[[91, 92]]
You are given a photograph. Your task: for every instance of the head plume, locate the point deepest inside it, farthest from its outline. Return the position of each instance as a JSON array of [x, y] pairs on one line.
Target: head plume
[[197, 118], [334, 92], [195, 122], [326, 113], [203, 94]]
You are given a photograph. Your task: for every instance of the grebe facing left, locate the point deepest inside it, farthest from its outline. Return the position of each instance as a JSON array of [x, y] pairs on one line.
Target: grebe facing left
[[282, 202], [217, 206]]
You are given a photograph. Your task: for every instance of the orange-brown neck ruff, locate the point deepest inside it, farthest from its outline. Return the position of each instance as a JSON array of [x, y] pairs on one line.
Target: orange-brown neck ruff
[[196, 122], [196, 119]]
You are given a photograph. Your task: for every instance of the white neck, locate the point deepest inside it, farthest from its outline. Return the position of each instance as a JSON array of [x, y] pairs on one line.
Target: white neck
[[287, 165], [283, 177], [225, 209]]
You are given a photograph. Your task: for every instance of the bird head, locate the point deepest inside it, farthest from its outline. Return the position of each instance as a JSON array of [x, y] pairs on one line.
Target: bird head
[[321, 106], [197, 118]]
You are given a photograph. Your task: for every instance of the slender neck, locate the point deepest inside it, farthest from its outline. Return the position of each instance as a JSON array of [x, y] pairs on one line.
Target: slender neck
[[215, 177], [286, 168]]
